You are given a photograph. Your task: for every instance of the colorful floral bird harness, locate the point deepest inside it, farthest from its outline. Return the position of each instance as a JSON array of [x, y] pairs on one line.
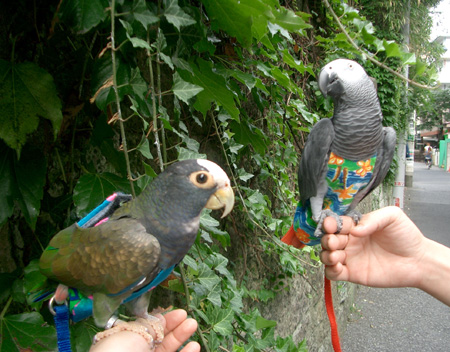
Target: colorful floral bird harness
[[345, 178]]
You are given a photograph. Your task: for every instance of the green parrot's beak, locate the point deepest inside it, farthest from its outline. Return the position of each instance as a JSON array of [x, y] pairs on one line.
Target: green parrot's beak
[[223, 198]]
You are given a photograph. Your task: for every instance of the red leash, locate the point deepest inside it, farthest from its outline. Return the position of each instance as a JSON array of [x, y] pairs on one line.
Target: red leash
[[335, 341], [290, 238]]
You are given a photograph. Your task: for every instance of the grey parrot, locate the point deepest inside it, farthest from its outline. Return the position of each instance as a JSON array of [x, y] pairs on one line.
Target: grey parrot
[[345, 157]]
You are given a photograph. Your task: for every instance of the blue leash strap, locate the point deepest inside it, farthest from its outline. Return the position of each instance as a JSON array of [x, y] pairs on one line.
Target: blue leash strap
[[61, 312], [62, 327]]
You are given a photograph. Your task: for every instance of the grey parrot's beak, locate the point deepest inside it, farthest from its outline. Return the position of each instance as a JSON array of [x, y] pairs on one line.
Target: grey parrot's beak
[[223, 198], [323, 82], [329, 83], [326, 81]]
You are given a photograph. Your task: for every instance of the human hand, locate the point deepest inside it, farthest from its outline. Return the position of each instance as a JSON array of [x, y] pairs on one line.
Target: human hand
[[383, 250], [177, 329]]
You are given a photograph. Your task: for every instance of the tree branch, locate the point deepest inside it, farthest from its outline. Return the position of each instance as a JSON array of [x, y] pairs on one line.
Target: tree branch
[[369, 55]]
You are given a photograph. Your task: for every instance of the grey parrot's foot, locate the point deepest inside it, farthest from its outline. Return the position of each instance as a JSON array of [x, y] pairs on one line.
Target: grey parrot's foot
[[323, 214], [355, 215], [141, 326]]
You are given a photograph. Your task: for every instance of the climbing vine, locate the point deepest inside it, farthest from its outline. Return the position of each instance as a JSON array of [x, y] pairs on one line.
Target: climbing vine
[[103, 95]]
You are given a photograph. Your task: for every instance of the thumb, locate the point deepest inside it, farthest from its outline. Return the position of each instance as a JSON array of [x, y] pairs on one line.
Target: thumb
[[376, 221]]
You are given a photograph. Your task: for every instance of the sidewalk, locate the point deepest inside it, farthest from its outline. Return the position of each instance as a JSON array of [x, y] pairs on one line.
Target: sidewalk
[[407, 319]]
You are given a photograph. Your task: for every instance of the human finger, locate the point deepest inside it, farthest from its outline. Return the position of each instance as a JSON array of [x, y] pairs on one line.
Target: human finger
[[333, 257], [334, 242], [174, 339], [336, 272], [173, 319], [330, 225], [191, 347], [377, 220]]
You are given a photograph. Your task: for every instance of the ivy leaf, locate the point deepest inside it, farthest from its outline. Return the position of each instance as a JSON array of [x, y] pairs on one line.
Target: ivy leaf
[[92, 189], [409, 59], [143, 15], [5, 285], [83, 15], [244, 19], [144, 148], [129, 81], [175, 14], [247, 134], [297, 64], [207, 278], [214, 89], [221, 321], [210, 224], [189, 261], [28, 92], [288, 20], [26, 331], [244, 175], [392, 48], [262, 323], [184, 90], [82, 335], [185, 154], [7, 180], [232, 18], [420, 67], [138, 42], [22, 181]]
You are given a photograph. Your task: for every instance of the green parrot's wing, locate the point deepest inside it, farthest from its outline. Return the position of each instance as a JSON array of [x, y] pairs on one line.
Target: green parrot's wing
[[315, 155], [385, 154], [107, 259]]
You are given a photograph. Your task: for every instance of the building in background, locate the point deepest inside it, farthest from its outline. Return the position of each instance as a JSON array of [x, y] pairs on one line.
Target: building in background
[[433, 137]]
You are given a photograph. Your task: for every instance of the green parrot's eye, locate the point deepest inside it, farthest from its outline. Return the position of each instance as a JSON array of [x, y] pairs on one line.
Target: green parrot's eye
[[202, 178]]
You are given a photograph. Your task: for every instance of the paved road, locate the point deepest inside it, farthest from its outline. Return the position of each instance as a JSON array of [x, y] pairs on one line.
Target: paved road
[[407, 319]]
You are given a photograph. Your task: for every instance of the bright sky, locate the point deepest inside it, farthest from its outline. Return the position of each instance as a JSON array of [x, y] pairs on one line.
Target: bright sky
[[441, 19]]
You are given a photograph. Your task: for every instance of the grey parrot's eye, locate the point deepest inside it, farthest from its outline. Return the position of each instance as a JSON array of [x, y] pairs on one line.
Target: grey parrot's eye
[[202, 178]]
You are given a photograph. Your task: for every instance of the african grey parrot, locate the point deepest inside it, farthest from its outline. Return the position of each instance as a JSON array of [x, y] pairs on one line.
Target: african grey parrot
[[345, 157], [125, 257]]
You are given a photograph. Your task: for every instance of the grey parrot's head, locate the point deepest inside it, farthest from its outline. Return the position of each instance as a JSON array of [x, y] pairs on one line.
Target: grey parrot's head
[[196, 184], [343, 76]]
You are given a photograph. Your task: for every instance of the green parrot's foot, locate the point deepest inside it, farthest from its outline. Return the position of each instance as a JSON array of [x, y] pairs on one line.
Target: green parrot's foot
[[155, 324], [150, 328], [323, 214]]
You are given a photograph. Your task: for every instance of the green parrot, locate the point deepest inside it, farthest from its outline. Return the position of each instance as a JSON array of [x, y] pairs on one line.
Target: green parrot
[[122, 259]]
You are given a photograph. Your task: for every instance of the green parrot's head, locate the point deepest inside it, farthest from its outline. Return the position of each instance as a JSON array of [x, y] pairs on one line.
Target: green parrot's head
[[191, 185], [343, 76]]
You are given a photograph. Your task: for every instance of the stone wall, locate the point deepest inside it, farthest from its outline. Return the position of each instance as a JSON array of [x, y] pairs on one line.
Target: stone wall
[[300, 309]]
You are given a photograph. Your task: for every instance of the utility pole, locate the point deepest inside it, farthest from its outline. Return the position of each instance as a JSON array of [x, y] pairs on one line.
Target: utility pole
[[403, 172]]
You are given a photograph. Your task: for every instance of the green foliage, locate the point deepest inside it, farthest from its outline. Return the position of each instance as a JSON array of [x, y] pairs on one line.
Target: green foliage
[[156, 82], [28, 330], [433, 110], [27, 92]]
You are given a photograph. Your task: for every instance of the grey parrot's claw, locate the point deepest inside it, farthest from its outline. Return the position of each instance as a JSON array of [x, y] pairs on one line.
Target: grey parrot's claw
[[355, 215], [325, 213]]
